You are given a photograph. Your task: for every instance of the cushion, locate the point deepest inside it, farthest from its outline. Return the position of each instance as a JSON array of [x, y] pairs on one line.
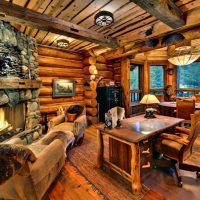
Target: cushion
[[171, 148], [70, 117], [73, 112], [13, 160]]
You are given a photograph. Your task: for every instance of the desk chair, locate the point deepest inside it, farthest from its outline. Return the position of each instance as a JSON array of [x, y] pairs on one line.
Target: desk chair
[[184, 108], [178, 148]]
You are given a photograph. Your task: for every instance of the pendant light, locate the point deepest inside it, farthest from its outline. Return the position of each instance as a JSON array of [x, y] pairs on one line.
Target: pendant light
[[184, 55], [103, 18]]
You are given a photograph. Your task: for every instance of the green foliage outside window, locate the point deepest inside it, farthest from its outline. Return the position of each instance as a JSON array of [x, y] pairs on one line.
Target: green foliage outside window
[[134, 78], [189, 76], [156, 77]]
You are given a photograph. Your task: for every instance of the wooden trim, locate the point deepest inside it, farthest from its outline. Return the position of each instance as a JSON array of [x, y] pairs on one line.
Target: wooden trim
[[15, 13], [16, 83], [164, 10]]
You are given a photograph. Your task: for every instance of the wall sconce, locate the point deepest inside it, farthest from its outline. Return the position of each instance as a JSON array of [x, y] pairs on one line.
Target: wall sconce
[[63, 43], [170, 71]]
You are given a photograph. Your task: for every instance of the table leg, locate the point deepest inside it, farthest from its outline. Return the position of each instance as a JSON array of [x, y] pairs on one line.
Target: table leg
[[135, 169], [100, 149]]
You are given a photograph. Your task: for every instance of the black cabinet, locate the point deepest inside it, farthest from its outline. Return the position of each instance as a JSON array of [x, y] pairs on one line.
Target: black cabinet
[[108, 97]]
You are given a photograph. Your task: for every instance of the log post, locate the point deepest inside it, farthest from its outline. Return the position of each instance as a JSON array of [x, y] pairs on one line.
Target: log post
[[146, 77], [100, 149], [125, 83], [135, 169]]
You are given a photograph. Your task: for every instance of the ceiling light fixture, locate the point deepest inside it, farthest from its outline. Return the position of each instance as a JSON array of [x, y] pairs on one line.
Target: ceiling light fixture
[[104, 18], [63, 43], [184, 55]]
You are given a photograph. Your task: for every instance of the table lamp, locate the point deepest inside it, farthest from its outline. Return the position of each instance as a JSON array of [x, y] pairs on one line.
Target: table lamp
[[149, 99]]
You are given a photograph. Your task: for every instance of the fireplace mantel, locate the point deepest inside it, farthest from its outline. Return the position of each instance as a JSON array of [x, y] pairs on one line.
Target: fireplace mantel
[[17, 83]]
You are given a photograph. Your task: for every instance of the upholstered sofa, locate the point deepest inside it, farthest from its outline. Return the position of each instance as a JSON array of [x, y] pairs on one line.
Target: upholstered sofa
[[27, 171], [77, 127]]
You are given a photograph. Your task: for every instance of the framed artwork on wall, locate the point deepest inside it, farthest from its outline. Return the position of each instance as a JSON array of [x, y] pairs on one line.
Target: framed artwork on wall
[[64, 88]]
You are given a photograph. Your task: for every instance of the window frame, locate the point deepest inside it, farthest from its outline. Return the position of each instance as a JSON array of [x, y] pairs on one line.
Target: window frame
[[158, 91], [178, 89], [140, 90]]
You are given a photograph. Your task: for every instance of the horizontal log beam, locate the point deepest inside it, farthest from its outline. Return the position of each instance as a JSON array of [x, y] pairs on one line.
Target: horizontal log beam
[[14, 13], [141, 47], [164, 10], [58, 53], [58, 62]]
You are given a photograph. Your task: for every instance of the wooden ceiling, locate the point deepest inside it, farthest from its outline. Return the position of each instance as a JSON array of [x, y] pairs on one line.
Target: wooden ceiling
[[129, 18]]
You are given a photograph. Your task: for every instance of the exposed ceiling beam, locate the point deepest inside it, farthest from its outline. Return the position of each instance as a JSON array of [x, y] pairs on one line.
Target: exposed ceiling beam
[[14, 13], [164, 10], [141, 47]]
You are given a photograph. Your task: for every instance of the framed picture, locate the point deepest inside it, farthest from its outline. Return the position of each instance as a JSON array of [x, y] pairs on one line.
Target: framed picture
[[63, 88]]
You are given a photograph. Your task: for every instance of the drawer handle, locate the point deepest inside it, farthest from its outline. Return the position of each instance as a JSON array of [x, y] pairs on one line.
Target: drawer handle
[[146, 166], [147, 151], [145, 141]]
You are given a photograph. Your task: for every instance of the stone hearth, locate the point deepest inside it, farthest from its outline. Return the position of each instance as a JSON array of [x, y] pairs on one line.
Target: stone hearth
[[18, 80]]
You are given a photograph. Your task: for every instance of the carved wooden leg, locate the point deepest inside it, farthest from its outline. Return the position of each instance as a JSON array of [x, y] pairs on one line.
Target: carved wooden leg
[[178, 175], [135, 169], [100, 149]]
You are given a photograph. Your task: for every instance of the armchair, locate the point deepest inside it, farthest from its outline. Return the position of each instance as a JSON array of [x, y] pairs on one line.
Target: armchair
[[26, 172], [77, 127], [178, 148]]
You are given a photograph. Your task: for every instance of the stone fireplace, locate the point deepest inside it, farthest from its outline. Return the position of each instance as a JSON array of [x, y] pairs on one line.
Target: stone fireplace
[[19, 87]]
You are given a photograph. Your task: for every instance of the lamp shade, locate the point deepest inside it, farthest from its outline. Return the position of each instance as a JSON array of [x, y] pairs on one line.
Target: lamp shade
[[149, 99], [184, 55]]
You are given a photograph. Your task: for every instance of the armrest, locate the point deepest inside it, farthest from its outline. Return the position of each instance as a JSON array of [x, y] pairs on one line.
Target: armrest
[[80, 124], [14, 141], [56, 120], [180, 129], [46, 160], [14, 160], [174, 138]]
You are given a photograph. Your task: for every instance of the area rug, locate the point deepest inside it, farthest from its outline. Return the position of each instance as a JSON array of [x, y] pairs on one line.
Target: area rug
[[83, 158]]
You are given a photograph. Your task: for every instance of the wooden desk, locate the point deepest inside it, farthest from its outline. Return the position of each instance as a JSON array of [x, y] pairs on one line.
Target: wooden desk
[[167, 108], [133, 133]]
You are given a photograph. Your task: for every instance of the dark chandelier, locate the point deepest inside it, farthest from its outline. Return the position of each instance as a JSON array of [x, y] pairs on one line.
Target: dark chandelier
[[104, 18]]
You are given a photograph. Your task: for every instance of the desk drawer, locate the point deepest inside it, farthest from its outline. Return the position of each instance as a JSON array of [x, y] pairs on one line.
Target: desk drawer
[[146, 146]]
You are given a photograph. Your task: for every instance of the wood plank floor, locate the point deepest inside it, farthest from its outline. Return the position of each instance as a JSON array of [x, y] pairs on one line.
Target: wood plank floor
[[72, 186]]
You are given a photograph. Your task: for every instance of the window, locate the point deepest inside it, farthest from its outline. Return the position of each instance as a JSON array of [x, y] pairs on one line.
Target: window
[[188, 81], [134, 79], [156, 79], [136, 93]]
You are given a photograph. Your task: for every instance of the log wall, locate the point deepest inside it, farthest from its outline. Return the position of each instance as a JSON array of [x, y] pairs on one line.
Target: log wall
[[54, 63], [105, 70]]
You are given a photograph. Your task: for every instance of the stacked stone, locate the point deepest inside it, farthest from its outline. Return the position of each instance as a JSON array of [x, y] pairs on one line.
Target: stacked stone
[[18, 52], [18, 58]]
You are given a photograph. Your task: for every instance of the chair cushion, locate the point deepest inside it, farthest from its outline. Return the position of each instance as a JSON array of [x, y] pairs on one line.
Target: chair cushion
[[171, 148], [37, 148]]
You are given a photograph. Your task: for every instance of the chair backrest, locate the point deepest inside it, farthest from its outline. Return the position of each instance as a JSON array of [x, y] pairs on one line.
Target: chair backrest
[[160, 97], [195, 131], [184, 108], [197, 96]]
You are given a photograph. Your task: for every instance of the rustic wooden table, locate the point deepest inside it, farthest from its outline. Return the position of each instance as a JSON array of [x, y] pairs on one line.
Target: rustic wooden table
[[134, 132], [167, 108]]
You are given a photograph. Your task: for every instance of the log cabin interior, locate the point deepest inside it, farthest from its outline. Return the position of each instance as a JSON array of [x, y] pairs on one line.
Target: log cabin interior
[[99, 99]]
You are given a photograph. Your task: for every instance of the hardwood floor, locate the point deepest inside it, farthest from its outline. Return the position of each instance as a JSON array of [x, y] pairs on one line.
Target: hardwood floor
[[72, 186]]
